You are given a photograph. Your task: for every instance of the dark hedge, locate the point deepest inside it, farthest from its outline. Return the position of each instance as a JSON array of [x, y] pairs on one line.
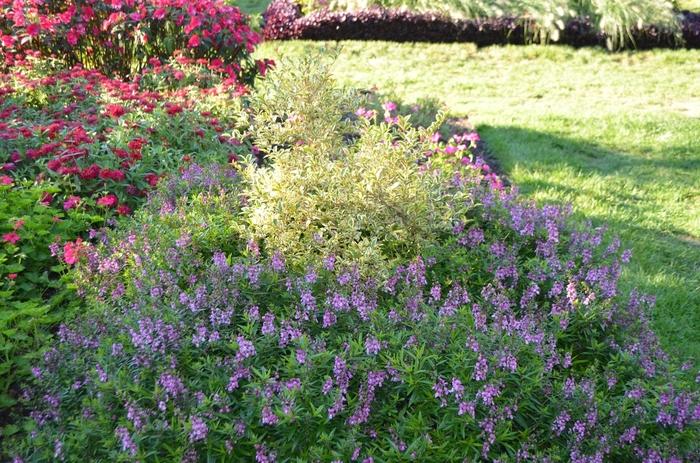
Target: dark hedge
[[284, 20]]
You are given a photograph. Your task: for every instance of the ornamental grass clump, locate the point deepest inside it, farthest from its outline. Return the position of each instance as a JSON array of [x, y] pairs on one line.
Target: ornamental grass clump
[[542, 20], [338, 183]]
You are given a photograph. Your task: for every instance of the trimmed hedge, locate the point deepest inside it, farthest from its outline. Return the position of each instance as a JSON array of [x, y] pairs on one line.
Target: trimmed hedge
[[284, 20]]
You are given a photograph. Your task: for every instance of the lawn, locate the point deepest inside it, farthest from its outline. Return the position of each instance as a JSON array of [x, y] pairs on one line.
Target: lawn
[[616, 135]]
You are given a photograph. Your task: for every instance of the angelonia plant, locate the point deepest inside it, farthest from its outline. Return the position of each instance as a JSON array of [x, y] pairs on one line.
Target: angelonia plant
[[503, 338]]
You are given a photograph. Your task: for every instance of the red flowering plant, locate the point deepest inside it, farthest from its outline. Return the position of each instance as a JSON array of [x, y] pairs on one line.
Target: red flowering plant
[[120, 36], [110, 140], [32, 295]]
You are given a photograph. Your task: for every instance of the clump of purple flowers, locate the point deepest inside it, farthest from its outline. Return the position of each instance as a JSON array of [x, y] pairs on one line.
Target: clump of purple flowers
[[510, 333]]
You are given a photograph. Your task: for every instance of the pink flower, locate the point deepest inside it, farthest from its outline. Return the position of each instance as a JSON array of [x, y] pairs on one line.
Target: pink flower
[[159, 13], [72, 37], [71, 202], [7, 40], [108, 201], [11, 276], [389, 106], [11, 238], [33, 30], [194, 41], [5, 180], [71, 251], [473, 137]]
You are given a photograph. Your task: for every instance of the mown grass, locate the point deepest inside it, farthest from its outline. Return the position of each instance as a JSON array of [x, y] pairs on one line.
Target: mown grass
[[616, 135], [692, 5]]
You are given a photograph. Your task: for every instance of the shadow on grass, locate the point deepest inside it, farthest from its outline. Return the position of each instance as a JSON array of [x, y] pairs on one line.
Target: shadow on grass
[[632, 199]]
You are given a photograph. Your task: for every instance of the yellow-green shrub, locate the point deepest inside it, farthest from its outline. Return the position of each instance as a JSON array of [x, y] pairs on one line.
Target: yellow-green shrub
[[338, 185]]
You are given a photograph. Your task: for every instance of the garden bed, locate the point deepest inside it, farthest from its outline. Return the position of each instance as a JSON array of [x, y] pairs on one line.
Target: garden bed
[[284, 21], [196, 262]]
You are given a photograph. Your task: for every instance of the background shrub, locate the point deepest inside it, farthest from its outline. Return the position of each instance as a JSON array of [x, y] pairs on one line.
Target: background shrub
[[120, 37]]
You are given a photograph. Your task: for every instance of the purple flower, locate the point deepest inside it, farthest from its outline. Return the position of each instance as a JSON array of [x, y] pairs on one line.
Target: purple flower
[[629, 435], [467, 408], [481, 368], [172, 384], [277, 262], [239, 374], [560, 423], [200, 336], [199, 429], [262, 455], [508, 362], [268, 325], [128, 445], [269, 417], [488, 393], [372, 346], [246, 349], [329, 319]]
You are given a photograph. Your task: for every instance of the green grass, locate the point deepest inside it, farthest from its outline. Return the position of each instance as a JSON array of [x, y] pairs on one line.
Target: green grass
[[616, 135], [692, 5]]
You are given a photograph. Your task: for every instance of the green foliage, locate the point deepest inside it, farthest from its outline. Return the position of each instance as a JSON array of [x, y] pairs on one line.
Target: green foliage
[[32, 296], [338, 184]]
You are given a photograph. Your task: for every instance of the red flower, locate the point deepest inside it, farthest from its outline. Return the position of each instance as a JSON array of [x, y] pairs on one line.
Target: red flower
[[117, 175], [115, 110], [54, 164], [172, 109], [151, 178], [7, 40], [11, 238], [71, 251], [123, 209], [46, 198], [11, 276], [90, 173], [136, 144], [123, 154]]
